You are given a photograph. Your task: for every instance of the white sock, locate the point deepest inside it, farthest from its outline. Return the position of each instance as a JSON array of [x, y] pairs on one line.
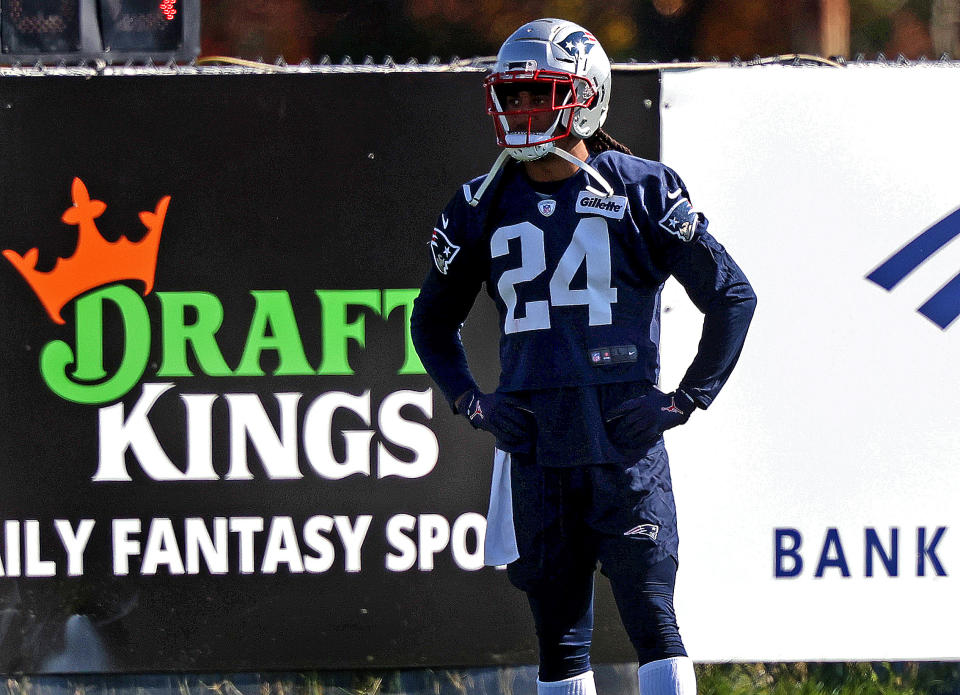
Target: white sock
[[673, 676], [581, 684]]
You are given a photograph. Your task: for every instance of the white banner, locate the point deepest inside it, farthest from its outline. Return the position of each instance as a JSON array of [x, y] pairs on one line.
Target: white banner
[[819, 497]]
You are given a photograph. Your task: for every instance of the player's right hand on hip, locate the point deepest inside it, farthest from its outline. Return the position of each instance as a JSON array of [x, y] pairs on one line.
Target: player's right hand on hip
[[500, 415]]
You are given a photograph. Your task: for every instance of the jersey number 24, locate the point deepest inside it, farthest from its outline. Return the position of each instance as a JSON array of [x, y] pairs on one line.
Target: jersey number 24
[[590, 245]]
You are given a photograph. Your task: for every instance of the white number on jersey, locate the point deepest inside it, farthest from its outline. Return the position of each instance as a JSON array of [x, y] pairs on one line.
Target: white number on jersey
[[532, 263], [590, 245]]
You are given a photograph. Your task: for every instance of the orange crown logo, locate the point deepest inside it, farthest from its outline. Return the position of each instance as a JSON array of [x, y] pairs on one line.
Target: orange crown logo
[[96, 261]]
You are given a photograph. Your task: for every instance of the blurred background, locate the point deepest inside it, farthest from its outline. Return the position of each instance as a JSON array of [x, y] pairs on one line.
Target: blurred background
[[643, 30]]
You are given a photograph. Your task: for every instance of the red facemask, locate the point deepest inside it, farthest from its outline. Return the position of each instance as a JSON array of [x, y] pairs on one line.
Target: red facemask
[[531, 108]]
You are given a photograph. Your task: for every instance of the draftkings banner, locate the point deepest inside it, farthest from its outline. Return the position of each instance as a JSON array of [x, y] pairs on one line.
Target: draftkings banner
[[219, 450]]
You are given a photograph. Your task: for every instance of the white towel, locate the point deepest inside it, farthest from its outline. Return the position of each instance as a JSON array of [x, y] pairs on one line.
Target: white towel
[[500, 542]]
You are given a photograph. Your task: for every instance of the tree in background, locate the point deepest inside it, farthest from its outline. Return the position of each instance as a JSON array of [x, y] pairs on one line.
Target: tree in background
[[892, 27], [262, 29], [645, 30]]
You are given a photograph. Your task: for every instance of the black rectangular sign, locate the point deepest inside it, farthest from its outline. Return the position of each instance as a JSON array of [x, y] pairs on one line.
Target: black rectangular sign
[[219, 450]]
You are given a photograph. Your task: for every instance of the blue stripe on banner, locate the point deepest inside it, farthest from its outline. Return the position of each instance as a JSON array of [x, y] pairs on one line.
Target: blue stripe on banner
[[944, 307], [906, 260]]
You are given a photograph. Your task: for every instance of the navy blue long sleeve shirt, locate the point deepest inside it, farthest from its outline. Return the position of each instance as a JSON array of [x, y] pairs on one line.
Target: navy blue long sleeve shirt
[[577, 278]]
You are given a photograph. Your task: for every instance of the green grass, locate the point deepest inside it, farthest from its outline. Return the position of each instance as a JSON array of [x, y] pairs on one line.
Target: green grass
[[877, 678]]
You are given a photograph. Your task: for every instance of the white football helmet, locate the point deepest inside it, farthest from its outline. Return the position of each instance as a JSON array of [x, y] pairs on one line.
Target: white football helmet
[[563, 71], [568, 73]]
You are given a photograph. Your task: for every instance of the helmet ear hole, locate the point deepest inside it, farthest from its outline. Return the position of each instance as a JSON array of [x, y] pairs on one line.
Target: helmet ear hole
[[581, 127]]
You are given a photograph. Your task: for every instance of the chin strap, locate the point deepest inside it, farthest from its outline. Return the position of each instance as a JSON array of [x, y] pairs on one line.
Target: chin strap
[[497, 165], [607, 188], [563, 154]]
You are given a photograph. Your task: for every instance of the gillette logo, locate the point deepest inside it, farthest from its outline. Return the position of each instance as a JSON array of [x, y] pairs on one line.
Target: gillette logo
[[612, 206], [600, 203]]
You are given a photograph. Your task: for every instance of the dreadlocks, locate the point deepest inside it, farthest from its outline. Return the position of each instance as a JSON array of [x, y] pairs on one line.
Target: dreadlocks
[[601, 141]]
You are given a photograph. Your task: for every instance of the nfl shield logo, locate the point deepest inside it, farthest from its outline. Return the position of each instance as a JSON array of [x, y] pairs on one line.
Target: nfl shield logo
[[547, 207]]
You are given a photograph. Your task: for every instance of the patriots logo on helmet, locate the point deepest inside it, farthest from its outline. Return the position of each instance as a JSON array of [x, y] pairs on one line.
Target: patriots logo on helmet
[[443, 250], [577, 43]]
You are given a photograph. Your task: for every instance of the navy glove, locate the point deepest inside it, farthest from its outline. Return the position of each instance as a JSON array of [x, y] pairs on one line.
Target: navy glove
[[499, 415], [639, 422]]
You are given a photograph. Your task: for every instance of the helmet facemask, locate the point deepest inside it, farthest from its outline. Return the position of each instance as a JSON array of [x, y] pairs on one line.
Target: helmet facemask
[[533, 110]]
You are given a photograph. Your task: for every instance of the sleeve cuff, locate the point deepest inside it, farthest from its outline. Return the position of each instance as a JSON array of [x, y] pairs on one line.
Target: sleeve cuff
[[685, 401]]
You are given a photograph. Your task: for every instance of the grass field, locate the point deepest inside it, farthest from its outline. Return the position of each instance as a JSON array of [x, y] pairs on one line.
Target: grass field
[[877, 678]]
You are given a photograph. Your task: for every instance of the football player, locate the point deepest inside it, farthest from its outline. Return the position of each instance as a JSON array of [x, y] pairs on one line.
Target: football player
[[573, 238]]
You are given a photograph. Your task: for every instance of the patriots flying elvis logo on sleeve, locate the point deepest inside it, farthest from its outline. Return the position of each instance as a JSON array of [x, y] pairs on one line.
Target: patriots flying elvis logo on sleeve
[[680, 220], [443, 250]]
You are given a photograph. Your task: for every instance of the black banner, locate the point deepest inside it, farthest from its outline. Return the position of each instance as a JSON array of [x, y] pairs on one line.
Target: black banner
[[219, 449]]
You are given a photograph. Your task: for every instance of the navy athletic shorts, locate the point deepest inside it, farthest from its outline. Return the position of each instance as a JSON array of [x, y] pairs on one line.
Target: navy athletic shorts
[[570, 519], [620, 515]]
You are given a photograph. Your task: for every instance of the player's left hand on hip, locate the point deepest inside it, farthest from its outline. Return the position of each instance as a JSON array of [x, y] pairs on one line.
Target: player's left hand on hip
[[640, 421]]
